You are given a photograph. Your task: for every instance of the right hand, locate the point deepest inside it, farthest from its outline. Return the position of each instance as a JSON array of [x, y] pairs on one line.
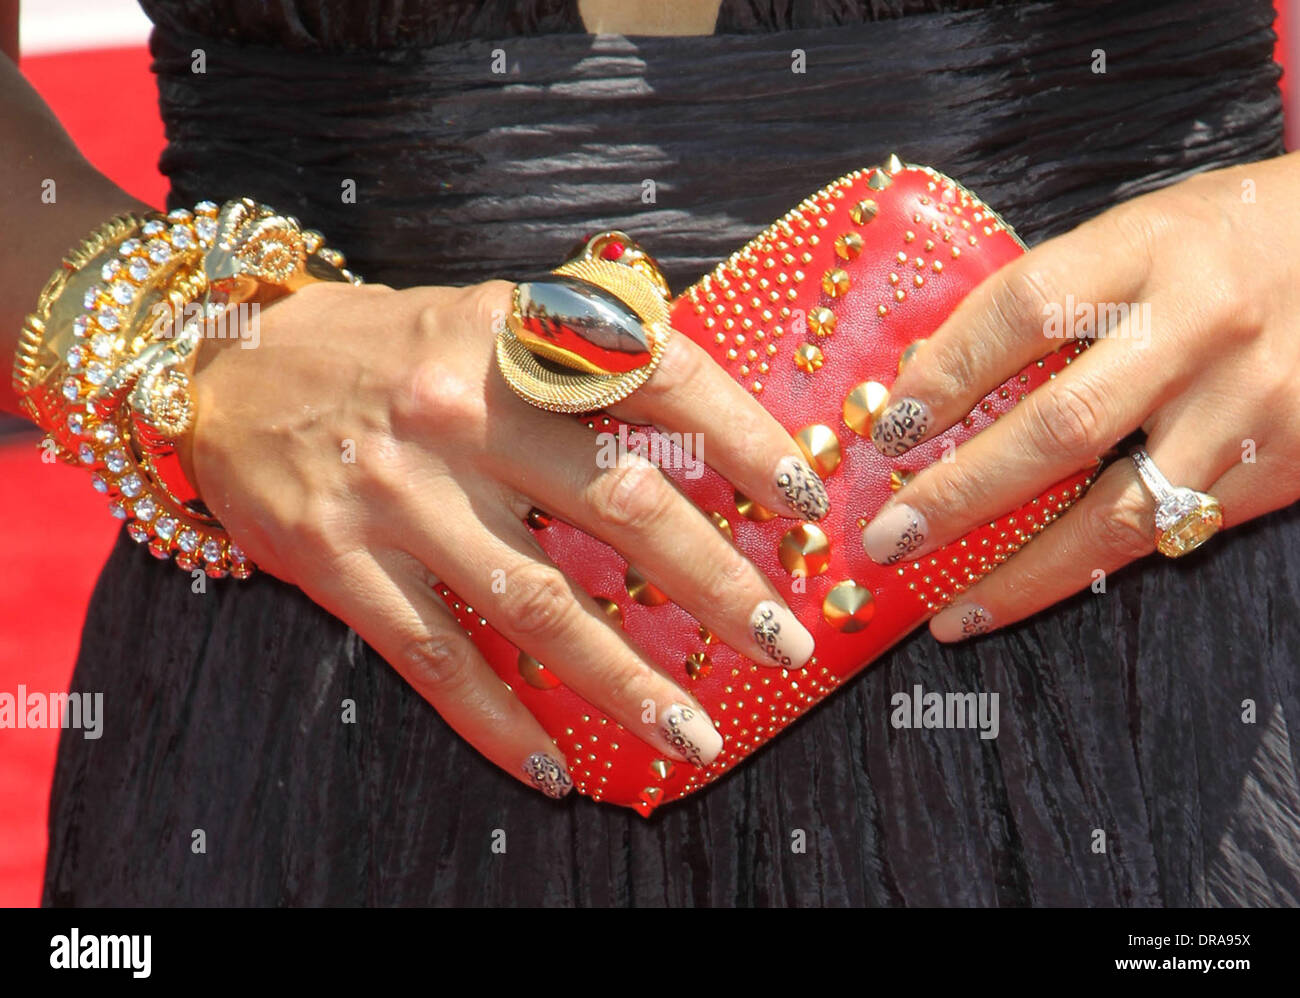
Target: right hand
[[448, 463]]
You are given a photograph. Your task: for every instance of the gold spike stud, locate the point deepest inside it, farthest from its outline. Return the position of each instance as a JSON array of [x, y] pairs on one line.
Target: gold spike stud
[[535, 674], [848, 607], [835, 282], [893, 164], [863, 405], [899, 477], [612, 610], [698, 665], [821, 321], [751, 510], [863, 212], [821, 446], [848, 245], [808, 358], [642, 590], [805, 550], [879, 180]]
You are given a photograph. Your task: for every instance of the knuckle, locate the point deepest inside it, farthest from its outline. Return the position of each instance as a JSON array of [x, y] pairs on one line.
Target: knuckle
[[952, 371], [489, 304], [1137, 229], [436, 394], [681, 364], [625, 687], [947, 490], [732, 574], [438, 664], [631, 496], [1123, 528], [541, 601], [1065, 417], [1021, 299]]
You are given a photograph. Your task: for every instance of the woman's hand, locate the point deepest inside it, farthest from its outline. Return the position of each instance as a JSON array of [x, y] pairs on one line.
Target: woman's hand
[[368, 448], [1198, 286]]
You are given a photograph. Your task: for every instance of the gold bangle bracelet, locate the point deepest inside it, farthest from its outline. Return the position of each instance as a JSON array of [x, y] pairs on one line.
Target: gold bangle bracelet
[[104, 361]]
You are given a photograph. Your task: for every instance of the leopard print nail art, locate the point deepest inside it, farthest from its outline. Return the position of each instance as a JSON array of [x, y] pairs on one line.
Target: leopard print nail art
[[803, 490], [901, 427], [547, 775]]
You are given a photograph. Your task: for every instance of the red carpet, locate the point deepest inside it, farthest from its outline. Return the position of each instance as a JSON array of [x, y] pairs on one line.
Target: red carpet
[[54, 531]]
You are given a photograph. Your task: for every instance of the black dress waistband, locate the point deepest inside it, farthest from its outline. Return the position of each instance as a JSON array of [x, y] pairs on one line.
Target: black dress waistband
[[491, 157]]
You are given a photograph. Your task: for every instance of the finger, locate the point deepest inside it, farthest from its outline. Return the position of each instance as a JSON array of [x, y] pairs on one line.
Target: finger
[[637, 511], [389, 602], [1013, 318], [691, 396], [1058, 428], [1252, 488], [1110, 526], [504, 574]]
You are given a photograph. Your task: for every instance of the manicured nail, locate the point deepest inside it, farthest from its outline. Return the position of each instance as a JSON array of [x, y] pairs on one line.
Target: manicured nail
[[897, 531], [961, 621], [804, 492], [548, 775], [901, 426], [783, 639], [691, 733]]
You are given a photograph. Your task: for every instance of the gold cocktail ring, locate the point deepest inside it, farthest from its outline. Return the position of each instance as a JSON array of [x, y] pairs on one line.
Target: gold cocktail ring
[[591, 334]]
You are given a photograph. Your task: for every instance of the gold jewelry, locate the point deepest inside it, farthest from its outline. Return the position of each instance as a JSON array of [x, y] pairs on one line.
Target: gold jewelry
[[105, 361], [1185, 518], [591, 336]]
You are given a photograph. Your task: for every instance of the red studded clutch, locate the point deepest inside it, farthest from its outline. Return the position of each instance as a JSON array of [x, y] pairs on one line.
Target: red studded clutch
[[812, 316]]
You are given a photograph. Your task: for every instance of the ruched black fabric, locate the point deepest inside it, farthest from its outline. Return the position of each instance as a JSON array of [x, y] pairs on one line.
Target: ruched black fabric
[[1121, 713]]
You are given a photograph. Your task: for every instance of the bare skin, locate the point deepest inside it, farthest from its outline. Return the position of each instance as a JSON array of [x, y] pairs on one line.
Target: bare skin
[[448, 462], [1211, 378]]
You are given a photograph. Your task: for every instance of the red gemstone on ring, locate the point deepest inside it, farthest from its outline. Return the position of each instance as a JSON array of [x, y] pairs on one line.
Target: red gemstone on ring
[[612, 251]]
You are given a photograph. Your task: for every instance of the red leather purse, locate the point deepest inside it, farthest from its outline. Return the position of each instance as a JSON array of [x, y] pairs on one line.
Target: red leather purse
[[812, 316]]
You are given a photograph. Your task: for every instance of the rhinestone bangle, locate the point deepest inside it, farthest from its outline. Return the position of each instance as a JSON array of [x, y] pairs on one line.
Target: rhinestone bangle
[[110, 382]]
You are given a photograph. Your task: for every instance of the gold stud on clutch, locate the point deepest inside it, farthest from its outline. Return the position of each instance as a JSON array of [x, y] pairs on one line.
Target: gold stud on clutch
[[848, 607], [863, 405]]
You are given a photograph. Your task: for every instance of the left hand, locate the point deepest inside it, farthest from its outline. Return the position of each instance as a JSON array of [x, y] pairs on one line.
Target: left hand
[[1213, 378]]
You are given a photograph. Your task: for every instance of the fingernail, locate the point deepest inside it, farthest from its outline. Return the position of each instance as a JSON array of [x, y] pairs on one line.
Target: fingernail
[[548, 775], [961, 621], [805, 495], [783, 639], [901, 426], [691, 733], [897, 531]]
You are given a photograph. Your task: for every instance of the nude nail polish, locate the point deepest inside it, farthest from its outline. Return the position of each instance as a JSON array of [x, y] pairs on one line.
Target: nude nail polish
[[690, 732], [548, 775], [961, 621], [805, 495], [784, 641], [901, 426], [897, 532]]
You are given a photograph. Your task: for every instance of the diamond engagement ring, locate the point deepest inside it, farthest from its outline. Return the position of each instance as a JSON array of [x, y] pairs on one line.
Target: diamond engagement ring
[[1185, 518]]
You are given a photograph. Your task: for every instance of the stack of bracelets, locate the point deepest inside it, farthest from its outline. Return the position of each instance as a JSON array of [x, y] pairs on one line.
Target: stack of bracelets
[[104, 362]]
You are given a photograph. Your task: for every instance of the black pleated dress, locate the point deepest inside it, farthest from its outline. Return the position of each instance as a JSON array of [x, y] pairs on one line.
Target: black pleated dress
[[1121, 713]]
